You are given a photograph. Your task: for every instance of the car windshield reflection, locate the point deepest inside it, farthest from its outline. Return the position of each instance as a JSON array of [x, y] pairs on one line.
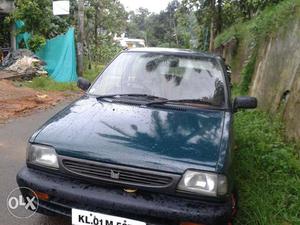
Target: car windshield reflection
[[167, 76]]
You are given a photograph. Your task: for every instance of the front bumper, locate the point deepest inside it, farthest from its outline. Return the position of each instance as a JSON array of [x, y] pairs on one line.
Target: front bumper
[[67, 193]]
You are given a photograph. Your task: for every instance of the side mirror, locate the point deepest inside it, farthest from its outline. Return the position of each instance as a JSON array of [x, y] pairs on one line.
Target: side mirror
[[229, 72], [83, 84], [244, 103]]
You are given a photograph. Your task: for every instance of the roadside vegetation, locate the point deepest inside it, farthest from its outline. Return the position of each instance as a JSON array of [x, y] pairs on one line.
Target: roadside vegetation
[[41, 24], [45, 83], [267, 170], [92, 72], [254, 32], [262, 26]]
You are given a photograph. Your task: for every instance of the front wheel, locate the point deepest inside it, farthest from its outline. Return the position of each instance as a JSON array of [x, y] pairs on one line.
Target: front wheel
[[234, 209]]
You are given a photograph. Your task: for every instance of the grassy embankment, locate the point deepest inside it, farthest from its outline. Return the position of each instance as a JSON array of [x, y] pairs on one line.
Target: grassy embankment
[[255, 32], [47, 84], [267, 166]]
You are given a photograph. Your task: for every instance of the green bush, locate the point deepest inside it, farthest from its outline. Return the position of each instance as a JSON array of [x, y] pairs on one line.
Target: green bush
[[230, 33], [105, 51], [36, 42], [267, 170]]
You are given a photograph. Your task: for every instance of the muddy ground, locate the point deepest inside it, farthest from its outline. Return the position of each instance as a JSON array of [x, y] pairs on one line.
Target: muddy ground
[[16, 101]]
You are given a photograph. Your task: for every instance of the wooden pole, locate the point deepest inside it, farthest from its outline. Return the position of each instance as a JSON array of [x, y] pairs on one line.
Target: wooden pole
[[212, 25], [80, 39]]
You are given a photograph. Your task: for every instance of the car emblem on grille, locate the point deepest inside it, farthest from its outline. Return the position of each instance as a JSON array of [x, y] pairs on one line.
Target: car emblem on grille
[[114, 175], [130, 190]]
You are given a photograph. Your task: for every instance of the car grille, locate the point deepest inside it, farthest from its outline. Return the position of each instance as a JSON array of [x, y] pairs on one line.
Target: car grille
[[118, 174]]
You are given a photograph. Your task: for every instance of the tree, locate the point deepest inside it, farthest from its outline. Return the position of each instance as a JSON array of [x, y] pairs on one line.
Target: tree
[[38, 21], [137, 25], [188, 28], [210, 20], [104, 19], [171, 14], [191, 23], [80, 38], [158, 29], [106, 16], [215, 15]]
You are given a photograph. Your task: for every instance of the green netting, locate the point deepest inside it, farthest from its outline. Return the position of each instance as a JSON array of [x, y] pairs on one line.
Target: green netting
[[21, 37], [59, 54]]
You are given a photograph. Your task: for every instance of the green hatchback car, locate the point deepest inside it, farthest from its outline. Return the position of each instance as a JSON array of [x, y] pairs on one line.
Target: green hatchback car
[[149, 143]]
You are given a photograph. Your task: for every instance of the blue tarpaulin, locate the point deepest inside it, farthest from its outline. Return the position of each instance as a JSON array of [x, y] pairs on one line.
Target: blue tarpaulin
[[59, 54]]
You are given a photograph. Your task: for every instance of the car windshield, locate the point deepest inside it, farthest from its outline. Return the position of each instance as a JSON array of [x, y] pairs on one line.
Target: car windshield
[[168, 76]]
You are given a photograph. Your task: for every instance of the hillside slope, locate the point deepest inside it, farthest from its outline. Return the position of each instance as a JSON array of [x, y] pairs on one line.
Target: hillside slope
[[265, 57]]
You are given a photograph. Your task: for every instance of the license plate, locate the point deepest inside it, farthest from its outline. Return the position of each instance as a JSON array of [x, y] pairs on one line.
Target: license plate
[[82, 217]]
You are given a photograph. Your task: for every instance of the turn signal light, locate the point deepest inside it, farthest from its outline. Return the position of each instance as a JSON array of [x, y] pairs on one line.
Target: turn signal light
[[42, 196]]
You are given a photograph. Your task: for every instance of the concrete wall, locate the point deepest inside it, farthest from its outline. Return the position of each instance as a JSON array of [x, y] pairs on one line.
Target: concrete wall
[[276, 81]]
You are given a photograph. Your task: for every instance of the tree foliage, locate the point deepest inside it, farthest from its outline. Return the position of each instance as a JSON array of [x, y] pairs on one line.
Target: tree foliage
[[38, 21], [4, 34], [157, 29], [192, 23], [186, 24], [104, 19], [217, 15]]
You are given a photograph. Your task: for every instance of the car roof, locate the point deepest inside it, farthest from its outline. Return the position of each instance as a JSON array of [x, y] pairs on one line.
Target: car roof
[[174, 50]]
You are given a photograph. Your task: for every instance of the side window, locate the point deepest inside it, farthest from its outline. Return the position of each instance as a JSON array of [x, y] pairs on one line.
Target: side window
[[115, 76]]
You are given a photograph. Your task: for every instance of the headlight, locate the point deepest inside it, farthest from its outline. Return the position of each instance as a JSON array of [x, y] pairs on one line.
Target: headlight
[[203, 183], [42, 155]]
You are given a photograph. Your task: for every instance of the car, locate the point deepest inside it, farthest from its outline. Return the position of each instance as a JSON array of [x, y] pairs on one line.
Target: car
[[150, 142]]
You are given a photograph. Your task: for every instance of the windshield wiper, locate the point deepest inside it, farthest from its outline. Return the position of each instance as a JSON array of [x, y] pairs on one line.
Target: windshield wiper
[[195, 101], [130, 95]]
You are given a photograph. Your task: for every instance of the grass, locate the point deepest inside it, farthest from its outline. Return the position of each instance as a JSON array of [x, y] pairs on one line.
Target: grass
[[267, 169], [247, 73], [47, 84], [92, 73], [44, 83]]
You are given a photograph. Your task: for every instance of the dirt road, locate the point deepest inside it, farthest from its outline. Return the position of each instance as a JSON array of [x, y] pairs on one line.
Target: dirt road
[[19, 101], [13, 141]]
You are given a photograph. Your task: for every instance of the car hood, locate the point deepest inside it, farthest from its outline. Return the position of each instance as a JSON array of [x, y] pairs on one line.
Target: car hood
[[163, 139]]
